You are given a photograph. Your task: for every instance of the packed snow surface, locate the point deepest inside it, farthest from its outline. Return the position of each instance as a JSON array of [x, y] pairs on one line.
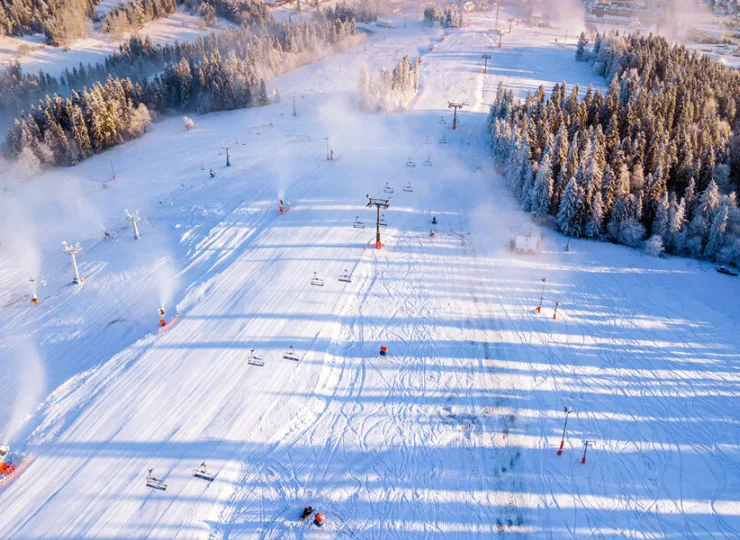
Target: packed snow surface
[[454, 431]]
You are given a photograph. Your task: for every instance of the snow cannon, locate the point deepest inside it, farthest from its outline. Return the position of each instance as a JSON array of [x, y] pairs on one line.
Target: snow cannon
[[539, 309], [281, 206], [6, 469], [306, 512], [319, 519], [35, 300], [161, 316], [383, 350]]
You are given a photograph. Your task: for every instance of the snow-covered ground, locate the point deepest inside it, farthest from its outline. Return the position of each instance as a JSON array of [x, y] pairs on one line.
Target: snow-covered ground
[[454, 432], [180, 26]]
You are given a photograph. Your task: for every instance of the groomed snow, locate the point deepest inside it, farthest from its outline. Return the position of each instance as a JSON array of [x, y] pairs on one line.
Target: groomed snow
[[454, 432]]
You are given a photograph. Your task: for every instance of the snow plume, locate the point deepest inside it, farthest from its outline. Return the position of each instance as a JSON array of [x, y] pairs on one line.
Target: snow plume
[[567, 15], [681, 18], [167, 281], [30, 380], [20, 247]]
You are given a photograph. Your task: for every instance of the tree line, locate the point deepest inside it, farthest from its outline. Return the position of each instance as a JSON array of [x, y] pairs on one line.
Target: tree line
[[134, 14], [450, 16], [58, 20], [389, 90], [222, 71], [656, 158]]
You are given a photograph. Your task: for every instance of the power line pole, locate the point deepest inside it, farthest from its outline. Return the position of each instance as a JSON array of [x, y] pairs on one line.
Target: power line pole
[[486, 57], [455, 105], [378, 204], [134, 218], [226, 148], [72, 251]]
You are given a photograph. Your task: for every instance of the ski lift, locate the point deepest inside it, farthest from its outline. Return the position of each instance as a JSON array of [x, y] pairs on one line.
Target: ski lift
[[383, 222], [387, 188], [443, 140], [428, 162], [410, 163], [442, 120], [407, 188], [315, 280], [291, 355], [345, 277], [427, 140], [155, 483], [358, 224], [202, 473], [255, 360]]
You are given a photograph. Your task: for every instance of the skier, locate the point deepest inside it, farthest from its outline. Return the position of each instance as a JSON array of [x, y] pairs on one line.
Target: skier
[[431, 233], [212, 173], [434, 220], [281, 206], [383, 350]]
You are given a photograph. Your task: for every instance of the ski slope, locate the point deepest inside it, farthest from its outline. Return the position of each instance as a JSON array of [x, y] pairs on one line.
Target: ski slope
[[455, 431]]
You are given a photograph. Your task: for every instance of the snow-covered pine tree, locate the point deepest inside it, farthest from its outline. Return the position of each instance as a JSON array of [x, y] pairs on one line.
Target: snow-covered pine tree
[[717, 233], [542, 188], [570, 214]]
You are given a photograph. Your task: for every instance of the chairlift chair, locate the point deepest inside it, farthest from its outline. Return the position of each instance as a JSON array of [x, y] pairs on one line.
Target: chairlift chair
[[407, 188], [442, 120], [155, 483], [428, 162], [317, 281], [255, 360], [202, 473], [358, 224], [427, 140], [291, 355], [443, 140], [345, 277], [410, 163], [383, 222], [388, 188]]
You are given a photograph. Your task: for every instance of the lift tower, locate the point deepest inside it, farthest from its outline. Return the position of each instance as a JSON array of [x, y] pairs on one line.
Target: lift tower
[[486, 57], [455, 105], [378, 204]]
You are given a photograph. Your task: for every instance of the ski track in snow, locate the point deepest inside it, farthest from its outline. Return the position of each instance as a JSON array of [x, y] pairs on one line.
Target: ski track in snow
[[455, 431]]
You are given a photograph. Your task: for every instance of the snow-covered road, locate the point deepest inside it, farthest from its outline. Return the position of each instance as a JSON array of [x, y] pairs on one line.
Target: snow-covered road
[[455, 431]]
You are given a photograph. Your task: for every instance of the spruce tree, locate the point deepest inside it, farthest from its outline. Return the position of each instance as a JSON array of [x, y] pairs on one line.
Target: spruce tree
[[569, 216]]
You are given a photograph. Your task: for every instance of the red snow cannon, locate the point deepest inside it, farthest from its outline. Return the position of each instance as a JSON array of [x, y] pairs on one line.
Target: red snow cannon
[[319, 519]]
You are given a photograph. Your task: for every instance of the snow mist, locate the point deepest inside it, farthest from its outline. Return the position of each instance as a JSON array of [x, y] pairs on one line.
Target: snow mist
[[30, 373]]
